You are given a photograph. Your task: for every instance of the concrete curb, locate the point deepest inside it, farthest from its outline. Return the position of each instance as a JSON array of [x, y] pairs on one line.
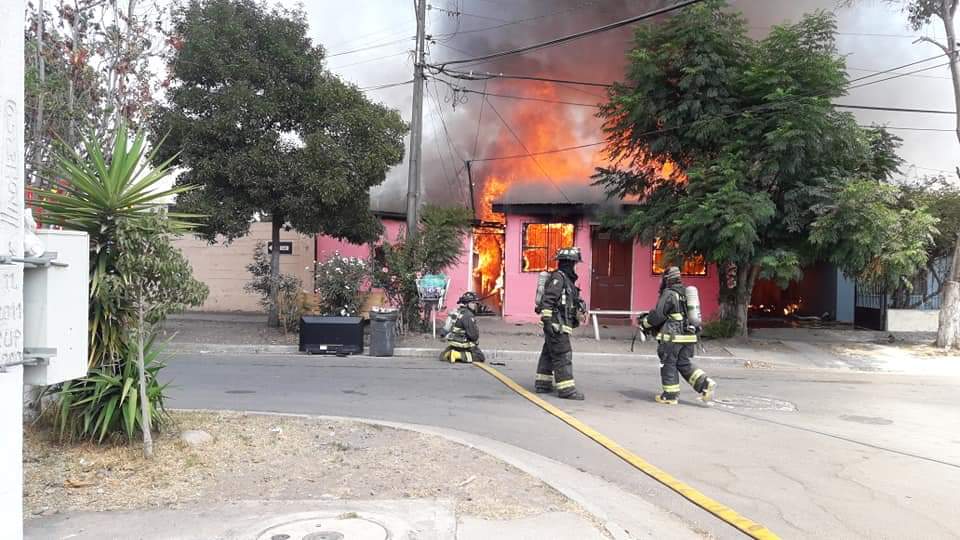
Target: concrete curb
[[625, 516], [411, 352]]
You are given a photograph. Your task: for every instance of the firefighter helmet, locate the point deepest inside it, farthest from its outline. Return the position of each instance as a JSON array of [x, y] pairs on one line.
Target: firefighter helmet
[[468, 297], [569, 254], [672, 275]]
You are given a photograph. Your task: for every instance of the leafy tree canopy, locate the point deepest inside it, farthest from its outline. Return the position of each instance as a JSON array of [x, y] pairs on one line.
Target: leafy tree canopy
[[263, 128], [733, 145]]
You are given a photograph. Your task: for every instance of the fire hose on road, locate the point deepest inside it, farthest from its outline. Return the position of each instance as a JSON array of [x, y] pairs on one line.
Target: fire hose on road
[[721, 511]]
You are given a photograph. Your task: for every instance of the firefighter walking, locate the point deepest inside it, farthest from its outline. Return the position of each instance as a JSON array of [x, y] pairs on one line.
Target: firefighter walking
[[560, 309], [462, 333], [677, 335]]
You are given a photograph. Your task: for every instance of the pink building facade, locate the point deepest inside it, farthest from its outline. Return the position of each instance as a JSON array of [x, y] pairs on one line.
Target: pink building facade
[[639, 287], [614, 275]]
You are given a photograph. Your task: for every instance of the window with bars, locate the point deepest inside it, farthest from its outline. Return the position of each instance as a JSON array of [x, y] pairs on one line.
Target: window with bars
[[689, 266], [540, 244]]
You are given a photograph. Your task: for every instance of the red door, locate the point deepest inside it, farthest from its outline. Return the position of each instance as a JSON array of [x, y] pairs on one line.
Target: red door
[[612, 268]]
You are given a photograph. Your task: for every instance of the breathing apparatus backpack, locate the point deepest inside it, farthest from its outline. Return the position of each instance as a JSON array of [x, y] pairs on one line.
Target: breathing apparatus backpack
[[452, 319], [542, 278], [691, 300]]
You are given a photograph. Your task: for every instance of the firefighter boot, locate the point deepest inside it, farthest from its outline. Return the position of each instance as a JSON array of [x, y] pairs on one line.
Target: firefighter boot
[[708, 391], [571, 393], [666, 399]]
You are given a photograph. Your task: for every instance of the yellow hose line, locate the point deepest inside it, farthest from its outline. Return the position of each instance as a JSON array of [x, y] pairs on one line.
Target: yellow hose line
[[725, 513]]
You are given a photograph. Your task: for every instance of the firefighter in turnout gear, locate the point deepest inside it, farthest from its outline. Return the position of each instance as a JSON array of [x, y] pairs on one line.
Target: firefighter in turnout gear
[[560, 309], [677, 341], [463, 336]]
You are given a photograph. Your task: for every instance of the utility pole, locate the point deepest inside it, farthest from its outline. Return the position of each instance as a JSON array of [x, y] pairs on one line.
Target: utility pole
[[473, 205], [416, 124]]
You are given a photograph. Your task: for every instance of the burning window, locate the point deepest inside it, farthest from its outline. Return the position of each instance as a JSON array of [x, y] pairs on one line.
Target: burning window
[[541, 242], [690, 266]]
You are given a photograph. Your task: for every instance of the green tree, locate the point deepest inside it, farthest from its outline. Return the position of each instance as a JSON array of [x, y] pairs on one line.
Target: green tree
[[921, 13], [397, 266], [102, 191], [154, 279], [265, 130], [733, 145]]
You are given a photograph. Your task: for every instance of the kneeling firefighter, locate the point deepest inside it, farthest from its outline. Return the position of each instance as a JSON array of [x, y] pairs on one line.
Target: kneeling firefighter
[[462, 334], [560, 309], [676, 321]]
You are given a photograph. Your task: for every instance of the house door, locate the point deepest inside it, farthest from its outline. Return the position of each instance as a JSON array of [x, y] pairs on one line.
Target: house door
[[612, 269]]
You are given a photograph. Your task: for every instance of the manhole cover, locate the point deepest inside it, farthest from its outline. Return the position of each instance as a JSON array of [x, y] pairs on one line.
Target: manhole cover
[[755, 403], [352, 528]]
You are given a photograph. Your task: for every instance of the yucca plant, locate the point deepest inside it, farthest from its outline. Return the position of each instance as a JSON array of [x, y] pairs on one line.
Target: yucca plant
[[95, 191], [107, 402]]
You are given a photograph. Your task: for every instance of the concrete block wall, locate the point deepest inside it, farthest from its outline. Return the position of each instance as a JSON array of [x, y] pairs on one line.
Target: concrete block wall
[[223, 266]]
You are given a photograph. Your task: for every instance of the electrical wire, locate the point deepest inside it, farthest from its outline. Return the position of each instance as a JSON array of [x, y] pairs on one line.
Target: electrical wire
[[577, 35], [521, 21], [525, 149], [893, 109], [369, 47], [384, 86], [369, 60]]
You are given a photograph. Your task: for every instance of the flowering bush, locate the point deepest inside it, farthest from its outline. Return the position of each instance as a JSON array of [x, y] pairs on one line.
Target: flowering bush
[[339, 282]]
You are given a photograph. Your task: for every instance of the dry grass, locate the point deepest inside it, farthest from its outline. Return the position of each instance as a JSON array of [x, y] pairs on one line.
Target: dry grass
[[279, 458]]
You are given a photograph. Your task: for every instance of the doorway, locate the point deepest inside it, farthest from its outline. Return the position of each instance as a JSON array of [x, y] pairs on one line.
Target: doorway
[[611, 272]]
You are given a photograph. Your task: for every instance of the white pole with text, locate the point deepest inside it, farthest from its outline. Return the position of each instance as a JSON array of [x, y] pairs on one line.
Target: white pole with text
[[11, 275]]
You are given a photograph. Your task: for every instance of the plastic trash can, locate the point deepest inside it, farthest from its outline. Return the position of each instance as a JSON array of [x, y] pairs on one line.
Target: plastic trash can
[[383, 332]]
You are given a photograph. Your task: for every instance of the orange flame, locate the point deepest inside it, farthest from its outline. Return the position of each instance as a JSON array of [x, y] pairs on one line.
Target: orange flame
[[488, 269]]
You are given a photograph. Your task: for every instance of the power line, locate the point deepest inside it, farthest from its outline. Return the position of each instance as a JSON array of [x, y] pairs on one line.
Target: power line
[[384, 86], [893, 69], [471, 76], [369, 60], [578, 35], [369, 47], [896, 76], [530, 155], [893, 109], [544, 152], [510, 96], [476, 139], [907, 128], [848, 68], [520, 21]]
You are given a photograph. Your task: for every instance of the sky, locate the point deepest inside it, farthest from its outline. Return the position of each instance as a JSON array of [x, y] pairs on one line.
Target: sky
[[369, 43]]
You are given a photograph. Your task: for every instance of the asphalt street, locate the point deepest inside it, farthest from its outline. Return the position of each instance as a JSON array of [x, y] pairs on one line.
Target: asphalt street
[[808, 453]]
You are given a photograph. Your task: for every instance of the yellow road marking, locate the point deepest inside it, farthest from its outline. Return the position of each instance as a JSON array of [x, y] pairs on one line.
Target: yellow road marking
[[725, 513]]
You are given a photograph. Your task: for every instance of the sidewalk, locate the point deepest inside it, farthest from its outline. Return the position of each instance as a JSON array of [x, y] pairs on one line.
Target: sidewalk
[[772, 348]]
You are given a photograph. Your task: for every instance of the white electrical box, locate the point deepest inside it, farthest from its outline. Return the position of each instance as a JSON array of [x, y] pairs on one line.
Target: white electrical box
[[55, 312]]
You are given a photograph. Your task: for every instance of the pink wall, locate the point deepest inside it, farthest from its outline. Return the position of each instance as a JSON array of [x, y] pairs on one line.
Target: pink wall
[[393, 228], [646, 284], [521, 286]]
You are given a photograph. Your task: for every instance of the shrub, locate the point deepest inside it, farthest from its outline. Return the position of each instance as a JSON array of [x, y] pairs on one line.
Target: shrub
[[106, 402], [720, 329], [397, 266], [339, 283], [290, 298]]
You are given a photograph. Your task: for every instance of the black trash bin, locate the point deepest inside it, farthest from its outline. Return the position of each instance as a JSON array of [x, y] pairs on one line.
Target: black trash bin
[[383, 332]]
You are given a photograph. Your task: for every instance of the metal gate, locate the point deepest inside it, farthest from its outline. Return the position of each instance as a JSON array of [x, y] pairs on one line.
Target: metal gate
[[870, 307]]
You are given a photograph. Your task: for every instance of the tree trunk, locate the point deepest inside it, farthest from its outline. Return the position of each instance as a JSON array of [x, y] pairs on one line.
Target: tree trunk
[[273, 319], [746, 277], [727, 296], [144, 404], [948, 331]]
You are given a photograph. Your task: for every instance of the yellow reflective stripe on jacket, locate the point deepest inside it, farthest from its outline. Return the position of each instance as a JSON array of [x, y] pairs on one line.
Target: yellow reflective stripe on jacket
[[671, 338], [566, 329], [565, 384], [676, 316], [544, 313], [645, 323]]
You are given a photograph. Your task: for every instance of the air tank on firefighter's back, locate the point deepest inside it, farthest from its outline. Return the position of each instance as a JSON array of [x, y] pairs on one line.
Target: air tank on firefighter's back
[[693, 306]]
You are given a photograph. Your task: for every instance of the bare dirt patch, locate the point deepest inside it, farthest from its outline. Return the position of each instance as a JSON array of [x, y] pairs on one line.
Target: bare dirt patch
[[278, 458]]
